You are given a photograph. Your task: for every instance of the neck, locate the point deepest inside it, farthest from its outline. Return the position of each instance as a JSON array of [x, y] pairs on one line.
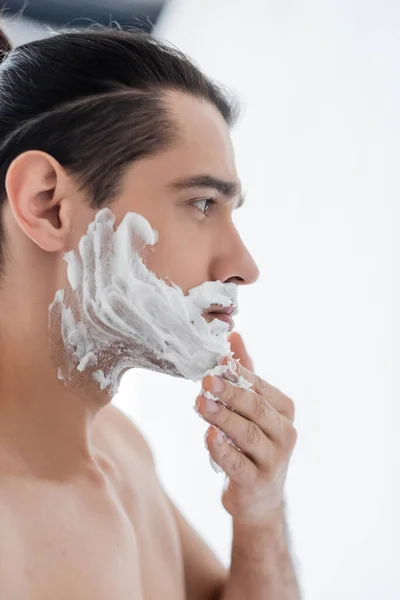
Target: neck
[[44, 425]]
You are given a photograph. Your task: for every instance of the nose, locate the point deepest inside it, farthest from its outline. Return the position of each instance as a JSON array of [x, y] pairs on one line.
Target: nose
[[234, 263]]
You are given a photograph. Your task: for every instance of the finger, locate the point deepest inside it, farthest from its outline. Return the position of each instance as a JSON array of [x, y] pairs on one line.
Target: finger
[[239, 351], [244, 404], [282, 403], [245, 434], [234, 463]]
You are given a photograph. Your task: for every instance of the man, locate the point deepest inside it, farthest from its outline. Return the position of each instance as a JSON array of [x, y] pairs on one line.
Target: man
[[117, 119]]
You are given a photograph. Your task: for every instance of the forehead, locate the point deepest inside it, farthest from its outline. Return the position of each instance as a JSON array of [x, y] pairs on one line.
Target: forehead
[[204, 143]]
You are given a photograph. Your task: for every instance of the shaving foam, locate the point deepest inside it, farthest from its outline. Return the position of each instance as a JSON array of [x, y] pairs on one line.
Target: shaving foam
[[118, 315]]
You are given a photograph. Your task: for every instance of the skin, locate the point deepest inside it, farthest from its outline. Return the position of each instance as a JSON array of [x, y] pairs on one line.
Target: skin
[[82, 512]]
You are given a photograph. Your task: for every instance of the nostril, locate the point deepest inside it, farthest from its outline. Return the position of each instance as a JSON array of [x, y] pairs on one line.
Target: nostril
[[235, 279]]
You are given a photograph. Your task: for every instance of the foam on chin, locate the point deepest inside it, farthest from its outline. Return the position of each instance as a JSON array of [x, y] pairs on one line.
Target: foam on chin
[[120, 315]]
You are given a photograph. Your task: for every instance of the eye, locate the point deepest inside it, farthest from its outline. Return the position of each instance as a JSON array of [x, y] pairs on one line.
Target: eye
[[204, 204]]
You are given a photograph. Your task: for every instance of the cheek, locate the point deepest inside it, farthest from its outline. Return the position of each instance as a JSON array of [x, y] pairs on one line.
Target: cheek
[[83, 216], [181, 259]]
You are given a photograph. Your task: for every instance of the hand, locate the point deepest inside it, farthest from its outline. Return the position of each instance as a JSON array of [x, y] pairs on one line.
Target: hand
[[259, 422]]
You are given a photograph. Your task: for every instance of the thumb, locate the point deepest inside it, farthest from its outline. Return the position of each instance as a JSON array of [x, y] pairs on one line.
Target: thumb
[[239, 351]]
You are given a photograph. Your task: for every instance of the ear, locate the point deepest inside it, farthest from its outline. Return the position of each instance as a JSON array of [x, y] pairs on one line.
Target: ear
[[37, 190]]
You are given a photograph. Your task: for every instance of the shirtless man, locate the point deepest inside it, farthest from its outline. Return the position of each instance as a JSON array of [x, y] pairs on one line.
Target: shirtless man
[[111, 118]]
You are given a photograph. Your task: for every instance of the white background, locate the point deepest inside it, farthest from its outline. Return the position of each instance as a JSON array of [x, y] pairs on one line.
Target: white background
[[318, 151]]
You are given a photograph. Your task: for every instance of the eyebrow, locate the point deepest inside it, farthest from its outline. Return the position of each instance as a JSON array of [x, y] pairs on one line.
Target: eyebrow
[[229, 189]]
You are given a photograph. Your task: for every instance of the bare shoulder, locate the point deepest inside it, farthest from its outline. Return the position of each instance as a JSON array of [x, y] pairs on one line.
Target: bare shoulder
[[117, 435], [164, 529], [126, 460]]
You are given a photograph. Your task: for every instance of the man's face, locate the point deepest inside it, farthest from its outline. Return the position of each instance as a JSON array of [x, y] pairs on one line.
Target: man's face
[[180, 192], [187, 193]]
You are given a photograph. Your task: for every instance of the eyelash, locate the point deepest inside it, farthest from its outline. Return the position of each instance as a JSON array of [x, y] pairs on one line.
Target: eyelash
[[211, 202]]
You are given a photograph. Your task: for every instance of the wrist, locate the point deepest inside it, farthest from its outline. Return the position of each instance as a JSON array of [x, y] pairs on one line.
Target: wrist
[[273, 524], [259, 540]]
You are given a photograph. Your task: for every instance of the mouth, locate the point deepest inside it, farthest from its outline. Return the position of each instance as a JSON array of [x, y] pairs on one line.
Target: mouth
[[222, 313]]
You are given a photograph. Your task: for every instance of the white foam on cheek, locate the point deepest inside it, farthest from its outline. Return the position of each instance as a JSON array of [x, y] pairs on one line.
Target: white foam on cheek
[[131, 317]]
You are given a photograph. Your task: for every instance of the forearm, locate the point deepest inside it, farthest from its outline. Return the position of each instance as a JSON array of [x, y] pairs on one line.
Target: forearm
[[261, 567]]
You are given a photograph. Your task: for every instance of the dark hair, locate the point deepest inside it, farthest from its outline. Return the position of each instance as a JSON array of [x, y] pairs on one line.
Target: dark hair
[[94, 100]]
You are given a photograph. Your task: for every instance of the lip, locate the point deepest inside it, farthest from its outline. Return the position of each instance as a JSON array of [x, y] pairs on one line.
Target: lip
[[223, 313], [222, 310], [222, 317]]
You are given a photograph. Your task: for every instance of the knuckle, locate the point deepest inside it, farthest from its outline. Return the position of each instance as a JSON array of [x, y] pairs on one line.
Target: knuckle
[[231, 394], [252, 434], [290, 408], [262, 386], [259, 408], [290, 437], [238, 464], [227, 453], [287, 406]]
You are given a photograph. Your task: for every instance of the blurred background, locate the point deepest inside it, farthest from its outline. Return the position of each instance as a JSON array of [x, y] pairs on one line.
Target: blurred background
[[318, 151]]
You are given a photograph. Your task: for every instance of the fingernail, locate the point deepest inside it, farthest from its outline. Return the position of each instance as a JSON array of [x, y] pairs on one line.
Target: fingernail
[[217, 384], [211, 406]]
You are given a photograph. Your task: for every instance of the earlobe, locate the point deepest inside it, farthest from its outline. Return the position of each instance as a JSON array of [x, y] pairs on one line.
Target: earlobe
[[36, 187]]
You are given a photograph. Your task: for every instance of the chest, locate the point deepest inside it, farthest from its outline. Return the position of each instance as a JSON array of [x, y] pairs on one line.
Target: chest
[[89, 546]]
